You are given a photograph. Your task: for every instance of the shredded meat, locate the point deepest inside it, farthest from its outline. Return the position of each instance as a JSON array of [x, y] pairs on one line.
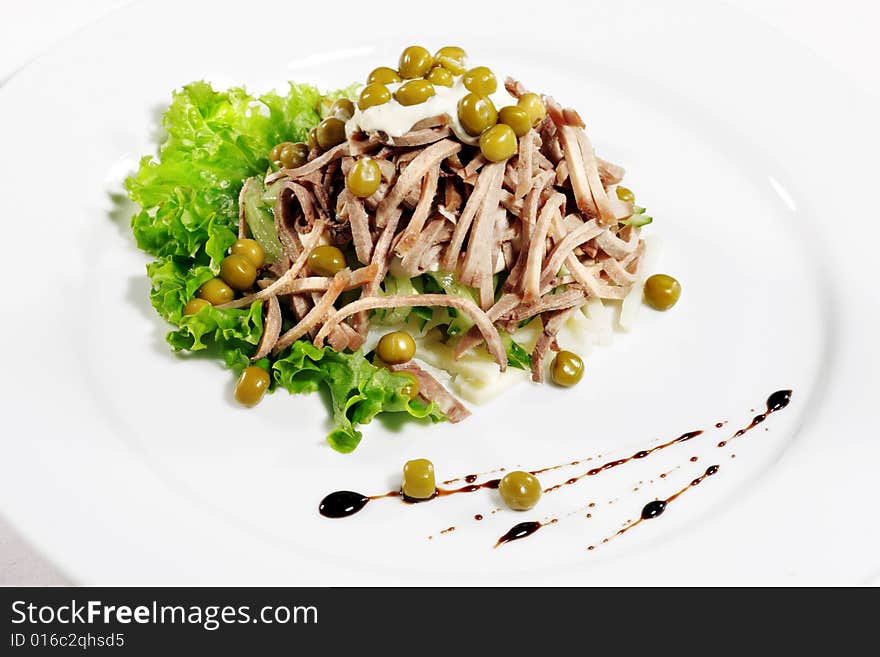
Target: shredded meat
[[488, 180], [609, 173], [420, 215], [418, 257], [547, 303], [312, 284], [474, 338], [552, 324], [566, 246], [271, 329], [490, 333], [317, 313], [360, 227], [476, 269], [421, 137], [537, 245], [312, 165], [547, 221]]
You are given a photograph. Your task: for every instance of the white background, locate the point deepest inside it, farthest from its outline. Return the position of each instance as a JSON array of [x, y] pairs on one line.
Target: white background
[[842, 33]]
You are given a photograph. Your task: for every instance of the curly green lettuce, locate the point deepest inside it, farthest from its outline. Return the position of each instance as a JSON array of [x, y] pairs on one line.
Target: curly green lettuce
[[359, 390], [233, 333], [215, 140], [188, 219]]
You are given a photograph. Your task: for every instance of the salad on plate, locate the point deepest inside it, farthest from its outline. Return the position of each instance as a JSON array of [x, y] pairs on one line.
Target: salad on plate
[[432, 236]]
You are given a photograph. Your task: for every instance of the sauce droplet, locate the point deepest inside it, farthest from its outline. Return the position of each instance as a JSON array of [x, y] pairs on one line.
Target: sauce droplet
[[519, 531], [778, 400], [653, 509], [775, 402], [656, 508], [342, 503]]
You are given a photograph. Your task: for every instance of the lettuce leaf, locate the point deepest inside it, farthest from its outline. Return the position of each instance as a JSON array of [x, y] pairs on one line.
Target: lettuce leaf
[[188, 219], [234, 333], [173, 284], [215, 140], [358, 390]]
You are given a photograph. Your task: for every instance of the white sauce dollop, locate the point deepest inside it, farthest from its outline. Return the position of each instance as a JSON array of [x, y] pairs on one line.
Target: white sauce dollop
[[395, 119]]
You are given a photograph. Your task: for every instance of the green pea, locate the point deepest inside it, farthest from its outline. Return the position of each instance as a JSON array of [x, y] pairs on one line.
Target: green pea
[[662, 291], [238, 272], [396, 347], [481, 80], [373, 94], [251, 385], [293, 155], [414, 92], [251, 250], [342, 108], [195, 305], [517, 118], [330, 132], [414, 62], [440, 77], [533, 104], [498, 143], [364, 177], [567, 369], [476, 113], [275, 153], [452, 58], [383, 75], [418, 479], [326, 260], [520, 490], [216, 292]]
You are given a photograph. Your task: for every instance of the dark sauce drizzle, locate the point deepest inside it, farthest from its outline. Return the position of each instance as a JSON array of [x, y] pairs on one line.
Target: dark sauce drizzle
[[471, 478], [344, 503], [520, 530], [655, 508], [775, 402], [341, 504], [523, 529], [638, 455]]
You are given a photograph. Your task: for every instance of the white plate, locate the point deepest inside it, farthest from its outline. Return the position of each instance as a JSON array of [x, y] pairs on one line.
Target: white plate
[[127, 464]]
